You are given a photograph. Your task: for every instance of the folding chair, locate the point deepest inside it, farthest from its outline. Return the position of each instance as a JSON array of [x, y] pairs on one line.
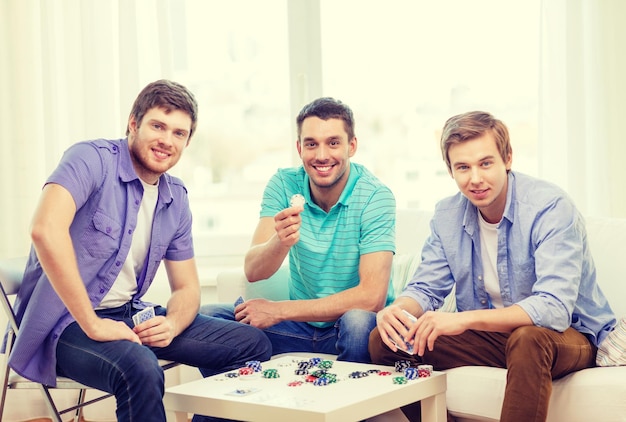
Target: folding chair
[[11, 272]]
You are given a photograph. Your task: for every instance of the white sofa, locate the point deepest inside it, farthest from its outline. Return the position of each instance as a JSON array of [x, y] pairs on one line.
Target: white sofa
[[475, 393]]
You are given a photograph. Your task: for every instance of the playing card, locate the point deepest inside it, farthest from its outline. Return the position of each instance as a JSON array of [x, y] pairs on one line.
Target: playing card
[[143, 315], [239, 301], [243, 391]]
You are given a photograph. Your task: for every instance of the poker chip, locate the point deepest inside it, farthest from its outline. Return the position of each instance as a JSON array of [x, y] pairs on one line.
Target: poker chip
[[399, 380], [321, 381], [384, 373], [401, 365], [310, 378], [425, 371], [297, 200], [315, 361], [331, 377], [231, 374], [271, 373], [373, 371], [254, 364], [301, 371], [246, 370], [305, 364], [325, 364], [411, 373], [358, 374], [295, 383], [319, 373]]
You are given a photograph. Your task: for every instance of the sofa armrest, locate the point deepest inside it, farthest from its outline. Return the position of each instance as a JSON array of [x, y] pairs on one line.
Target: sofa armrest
[[230, 285]]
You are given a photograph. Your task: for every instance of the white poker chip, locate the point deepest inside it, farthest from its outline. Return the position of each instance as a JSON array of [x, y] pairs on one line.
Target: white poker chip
[[297, 200]]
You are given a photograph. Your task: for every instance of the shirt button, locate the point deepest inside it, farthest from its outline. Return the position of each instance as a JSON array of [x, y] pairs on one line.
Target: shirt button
[[129, 231], [480, 277], [101, 290], [136, 201], [483, 301], [118, 263], [108, 230]]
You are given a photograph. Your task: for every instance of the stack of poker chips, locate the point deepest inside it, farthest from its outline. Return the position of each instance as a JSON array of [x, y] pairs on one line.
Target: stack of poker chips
[[424, 371], [411, 373], [254, 364], [271, 373], [399, 380], [401, 365]]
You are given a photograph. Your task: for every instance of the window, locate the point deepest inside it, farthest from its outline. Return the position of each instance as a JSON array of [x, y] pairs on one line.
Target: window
[[403, 66]]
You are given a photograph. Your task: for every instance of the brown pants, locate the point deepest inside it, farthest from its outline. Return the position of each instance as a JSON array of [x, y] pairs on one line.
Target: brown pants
[[533, 357]]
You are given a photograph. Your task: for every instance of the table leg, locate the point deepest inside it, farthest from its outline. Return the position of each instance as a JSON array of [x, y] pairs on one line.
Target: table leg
[[181, 417], [434, 408]]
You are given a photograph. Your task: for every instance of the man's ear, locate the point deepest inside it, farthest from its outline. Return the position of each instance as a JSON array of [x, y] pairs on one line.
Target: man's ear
[[132, 124], [353, 146]]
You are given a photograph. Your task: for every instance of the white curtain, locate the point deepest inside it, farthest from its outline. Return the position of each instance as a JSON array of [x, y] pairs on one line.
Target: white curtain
[[583, 102], [69, 71]]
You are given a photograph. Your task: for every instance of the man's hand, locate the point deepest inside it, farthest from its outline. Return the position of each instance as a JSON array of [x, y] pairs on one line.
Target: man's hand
[[104, 329], [432, 325], [393, 325], [260, 313], [155, 332], [287, 225]]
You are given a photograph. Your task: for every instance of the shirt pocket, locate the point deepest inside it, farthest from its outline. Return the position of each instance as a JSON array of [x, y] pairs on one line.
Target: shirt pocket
[[102, 238]]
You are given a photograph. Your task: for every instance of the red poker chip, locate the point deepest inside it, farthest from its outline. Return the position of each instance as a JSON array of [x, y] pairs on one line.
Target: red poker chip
[[384, 373]]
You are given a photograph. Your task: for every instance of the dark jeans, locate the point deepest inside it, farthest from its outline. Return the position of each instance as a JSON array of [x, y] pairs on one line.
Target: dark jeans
[[533, 357], [131, 371], [347, 338]]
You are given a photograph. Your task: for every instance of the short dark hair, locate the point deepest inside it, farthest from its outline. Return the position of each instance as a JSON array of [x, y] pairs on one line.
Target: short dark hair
[[472, 125], [327, 108], [165, 94]]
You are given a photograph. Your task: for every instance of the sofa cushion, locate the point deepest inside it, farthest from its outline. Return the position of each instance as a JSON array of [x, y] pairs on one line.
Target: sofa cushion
[[595, 394]]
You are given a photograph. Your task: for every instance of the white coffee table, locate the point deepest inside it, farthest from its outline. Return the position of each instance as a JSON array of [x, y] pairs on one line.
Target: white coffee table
[[348, 399]]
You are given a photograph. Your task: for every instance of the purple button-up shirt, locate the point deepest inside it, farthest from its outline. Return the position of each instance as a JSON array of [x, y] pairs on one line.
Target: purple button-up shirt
[[100, 177]]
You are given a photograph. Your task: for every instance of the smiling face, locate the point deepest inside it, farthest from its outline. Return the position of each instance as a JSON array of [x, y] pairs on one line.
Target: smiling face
[[325, 151], [481, 174], [157, 142]]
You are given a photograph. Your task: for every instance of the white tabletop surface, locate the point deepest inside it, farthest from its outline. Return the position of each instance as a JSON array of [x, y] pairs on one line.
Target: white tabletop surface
[[273, 399]]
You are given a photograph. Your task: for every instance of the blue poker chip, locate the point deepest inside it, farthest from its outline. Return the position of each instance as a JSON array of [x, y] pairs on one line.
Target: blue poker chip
[[411, 373], [321, 381], [254, 364]]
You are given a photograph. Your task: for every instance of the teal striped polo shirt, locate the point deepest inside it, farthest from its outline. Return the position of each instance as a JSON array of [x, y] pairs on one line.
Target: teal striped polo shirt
[[326, 259]]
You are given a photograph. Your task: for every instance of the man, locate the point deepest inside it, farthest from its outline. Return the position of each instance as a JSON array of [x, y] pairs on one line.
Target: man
[[340, 243], [516, 249], [107, 216]]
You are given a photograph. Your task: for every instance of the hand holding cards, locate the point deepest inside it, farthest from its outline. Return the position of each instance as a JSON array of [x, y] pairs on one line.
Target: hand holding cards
[[407, 347], [143, 315]]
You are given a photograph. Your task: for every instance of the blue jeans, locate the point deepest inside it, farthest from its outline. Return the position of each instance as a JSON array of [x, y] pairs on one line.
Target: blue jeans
[[131, 371], [347, 338]]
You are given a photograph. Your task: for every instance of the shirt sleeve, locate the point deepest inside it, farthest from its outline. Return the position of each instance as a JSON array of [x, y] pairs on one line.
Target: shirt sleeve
[[79, 171], [558, 237], [378, 229], [432, 280]]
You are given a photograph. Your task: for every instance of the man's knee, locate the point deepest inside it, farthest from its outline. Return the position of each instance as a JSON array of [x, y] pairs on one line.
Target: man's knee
[[358, 321]]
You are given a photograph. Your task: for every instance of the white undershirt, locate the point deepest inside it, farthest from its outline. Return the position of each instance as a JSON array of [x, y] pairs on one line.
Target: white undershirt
[[489, 255], [125, 285]]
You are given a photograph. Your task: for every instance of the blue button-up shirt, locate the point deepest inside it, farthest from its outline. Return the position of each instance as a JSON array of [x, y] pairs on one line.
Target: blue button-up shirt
[[107, 192], [544, 263]]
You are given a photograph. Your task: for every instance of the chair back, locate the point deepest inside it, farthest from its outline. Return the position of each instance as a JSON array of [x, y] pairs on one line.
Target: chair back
[[11, 273]]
